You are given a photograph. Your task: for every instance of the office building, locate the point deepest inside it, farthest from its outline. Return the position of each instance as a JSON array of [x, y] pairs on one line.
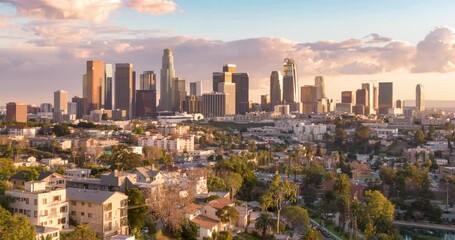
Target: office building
[[282, 109], [94, 85], [61, 101], [265, 103], [72, 108], [369, 107], [214, 104], [319, 83], [375, 98], [399, 104], [225, 76], [147, 81], [145, 103], [229, 89], [178, 94], [290, 81], [192, 104], [308, 99], [46, 107], [16, 112], [167, 81], [81, 105], [385, 97], [109, 86], [124, 88], [420, 98], [361, 96], [348, 97], [196, 88], [242, 96], [276, 88], [232, 68]]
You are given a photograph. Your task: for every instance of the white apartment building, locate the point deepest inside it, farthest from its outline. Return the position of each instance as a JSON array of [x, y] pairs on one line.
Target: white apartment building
[[178, 144], [105, 212], [43, 206], [53, 161], [173, 128]]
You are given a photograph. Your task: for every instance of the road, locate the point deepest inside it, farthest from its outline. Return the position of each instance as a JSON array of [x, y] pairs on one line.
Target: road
[[325, 229], [431, 226]]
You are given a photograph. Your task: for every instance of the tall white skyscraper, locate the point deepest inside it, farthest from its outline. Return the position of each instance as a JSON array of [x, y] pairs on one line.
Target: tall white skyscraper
[[61, 101], [229, 90], [196, 88], [420, 98], [319, 83], [290, 81], [369, 108], [276, 88], [166, 81]]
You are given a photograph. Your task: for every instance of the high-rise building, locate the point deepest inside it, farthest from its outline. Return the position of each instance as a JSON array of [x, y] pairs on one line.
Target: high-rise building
[[348, 97], [196, 88], [276, 88], [145, 103], [46, 107], [166, 81], [319, 83], [375, 98], [94, 85], [420, 98], [265, 103], [290, 81], [219, 77], [124, 88], [81, 105], [192, 104], [148, 81], [308, 99], [178, 93], [213, 104], [369, 107], [229, 89], [61, 101], [385, 97], [16, 112], [232, 68], [109, 81], [242, 96], [72, 108], [399, 104], [361, 96]]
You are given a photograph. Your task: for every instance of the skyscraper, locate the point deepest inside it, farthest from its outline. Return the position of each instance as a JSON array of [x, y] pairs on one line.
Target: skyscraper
[[145, 103], [94, 84], [16, 112], [348, 97], [319, 83], [178, 93], [420, 98], [61, 102], [109, 81], [124, 88], [229, 89], [232, 68], [385, 97], [196, 88], [213, 104], [242, 96], [166, 81], [290, 81], [265, 103], [225, 76], [81, 106], [369, 107], [46, 107], [148, 81], [308, 99], [192, 104], [276, 88], [361, 96]]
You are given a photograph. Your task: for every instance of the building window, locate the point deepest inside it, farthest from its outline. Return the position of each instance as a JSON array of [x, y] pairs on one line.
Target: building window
[[63, 209], [82, 203], [108, 207], [90, 215], [89, 205], [35, 201], [44, 200], [35, 214], [73, 203], [82, 213], [73, 213]]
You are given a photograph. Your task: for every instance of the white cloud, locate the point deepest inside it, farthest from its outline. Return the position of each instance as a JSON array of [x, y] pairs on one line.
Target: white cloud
[[153, 6]]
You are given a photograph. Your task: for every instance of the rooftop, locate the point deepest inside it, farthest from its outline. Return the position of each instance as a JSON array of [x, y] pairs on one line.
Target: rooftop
[[205, 222], [87, 195]]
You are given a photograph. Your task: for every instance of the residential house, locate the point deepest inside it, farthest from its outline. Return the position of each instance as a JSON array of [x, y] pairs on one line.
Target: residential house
[[50, 178]]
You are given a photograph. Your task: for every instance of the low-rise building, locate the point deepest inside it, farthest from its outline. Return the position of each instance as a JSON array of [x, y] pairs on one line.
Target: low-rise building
[[178, 144], [51, 162], [105, 212], [50, 178]]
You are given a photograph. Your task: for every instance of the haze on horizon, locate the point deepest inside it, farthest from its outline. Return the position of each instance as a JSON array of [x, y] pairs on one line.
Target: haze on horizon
[[44, 44]]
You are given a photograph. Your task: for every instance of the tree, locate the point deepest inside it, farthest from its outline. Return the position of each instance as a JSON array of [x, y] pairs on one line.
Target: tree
[[312, 234], [152, 153], [228, 214], [278, 196], [136, 208], [296, 216], [82, 232], [263, 222], [189, 230], [234, 182], [15, 227], [31, 174], [123, 158], [380, 211], [215, 183], [343, 187], [319, 150], [363, 133], [60, 130], [419, 136], [7, 169]]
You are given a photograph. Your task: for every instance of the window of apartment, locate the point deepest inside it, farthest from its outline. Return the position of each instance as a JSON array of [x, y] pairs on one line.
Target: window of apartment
[[55, 234], [82, 214], [44, 213], [56, 198], [73, 203], [82, 203], [21, 211], [108, 207], [73, 213], [50, 222], [124, 203], [44, 200], [62, 221], [63, 209], [90, 215], [35, 214], [28, 213], [89, 205], [35, 201]]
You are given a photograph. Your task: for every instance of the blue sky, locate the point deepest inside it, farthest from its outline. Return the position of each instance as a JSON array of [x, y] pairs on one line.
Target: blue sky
[[329, 38]]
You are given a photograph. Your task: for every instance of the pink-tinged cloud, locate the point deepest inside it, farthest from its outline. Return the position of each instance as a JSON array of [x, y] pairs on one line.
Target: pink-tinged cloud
[[153, 6], [92, 10], [4, 20]]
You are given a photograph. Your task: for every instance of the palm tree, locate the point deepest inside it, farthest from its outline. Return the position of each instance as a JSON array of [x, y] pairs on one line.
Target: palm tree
[[263, 222]]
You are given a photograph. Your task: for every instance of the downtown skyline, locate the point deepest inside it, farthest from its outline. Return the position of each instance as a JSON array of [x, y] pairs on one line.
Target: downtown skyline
[[345, 58]]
